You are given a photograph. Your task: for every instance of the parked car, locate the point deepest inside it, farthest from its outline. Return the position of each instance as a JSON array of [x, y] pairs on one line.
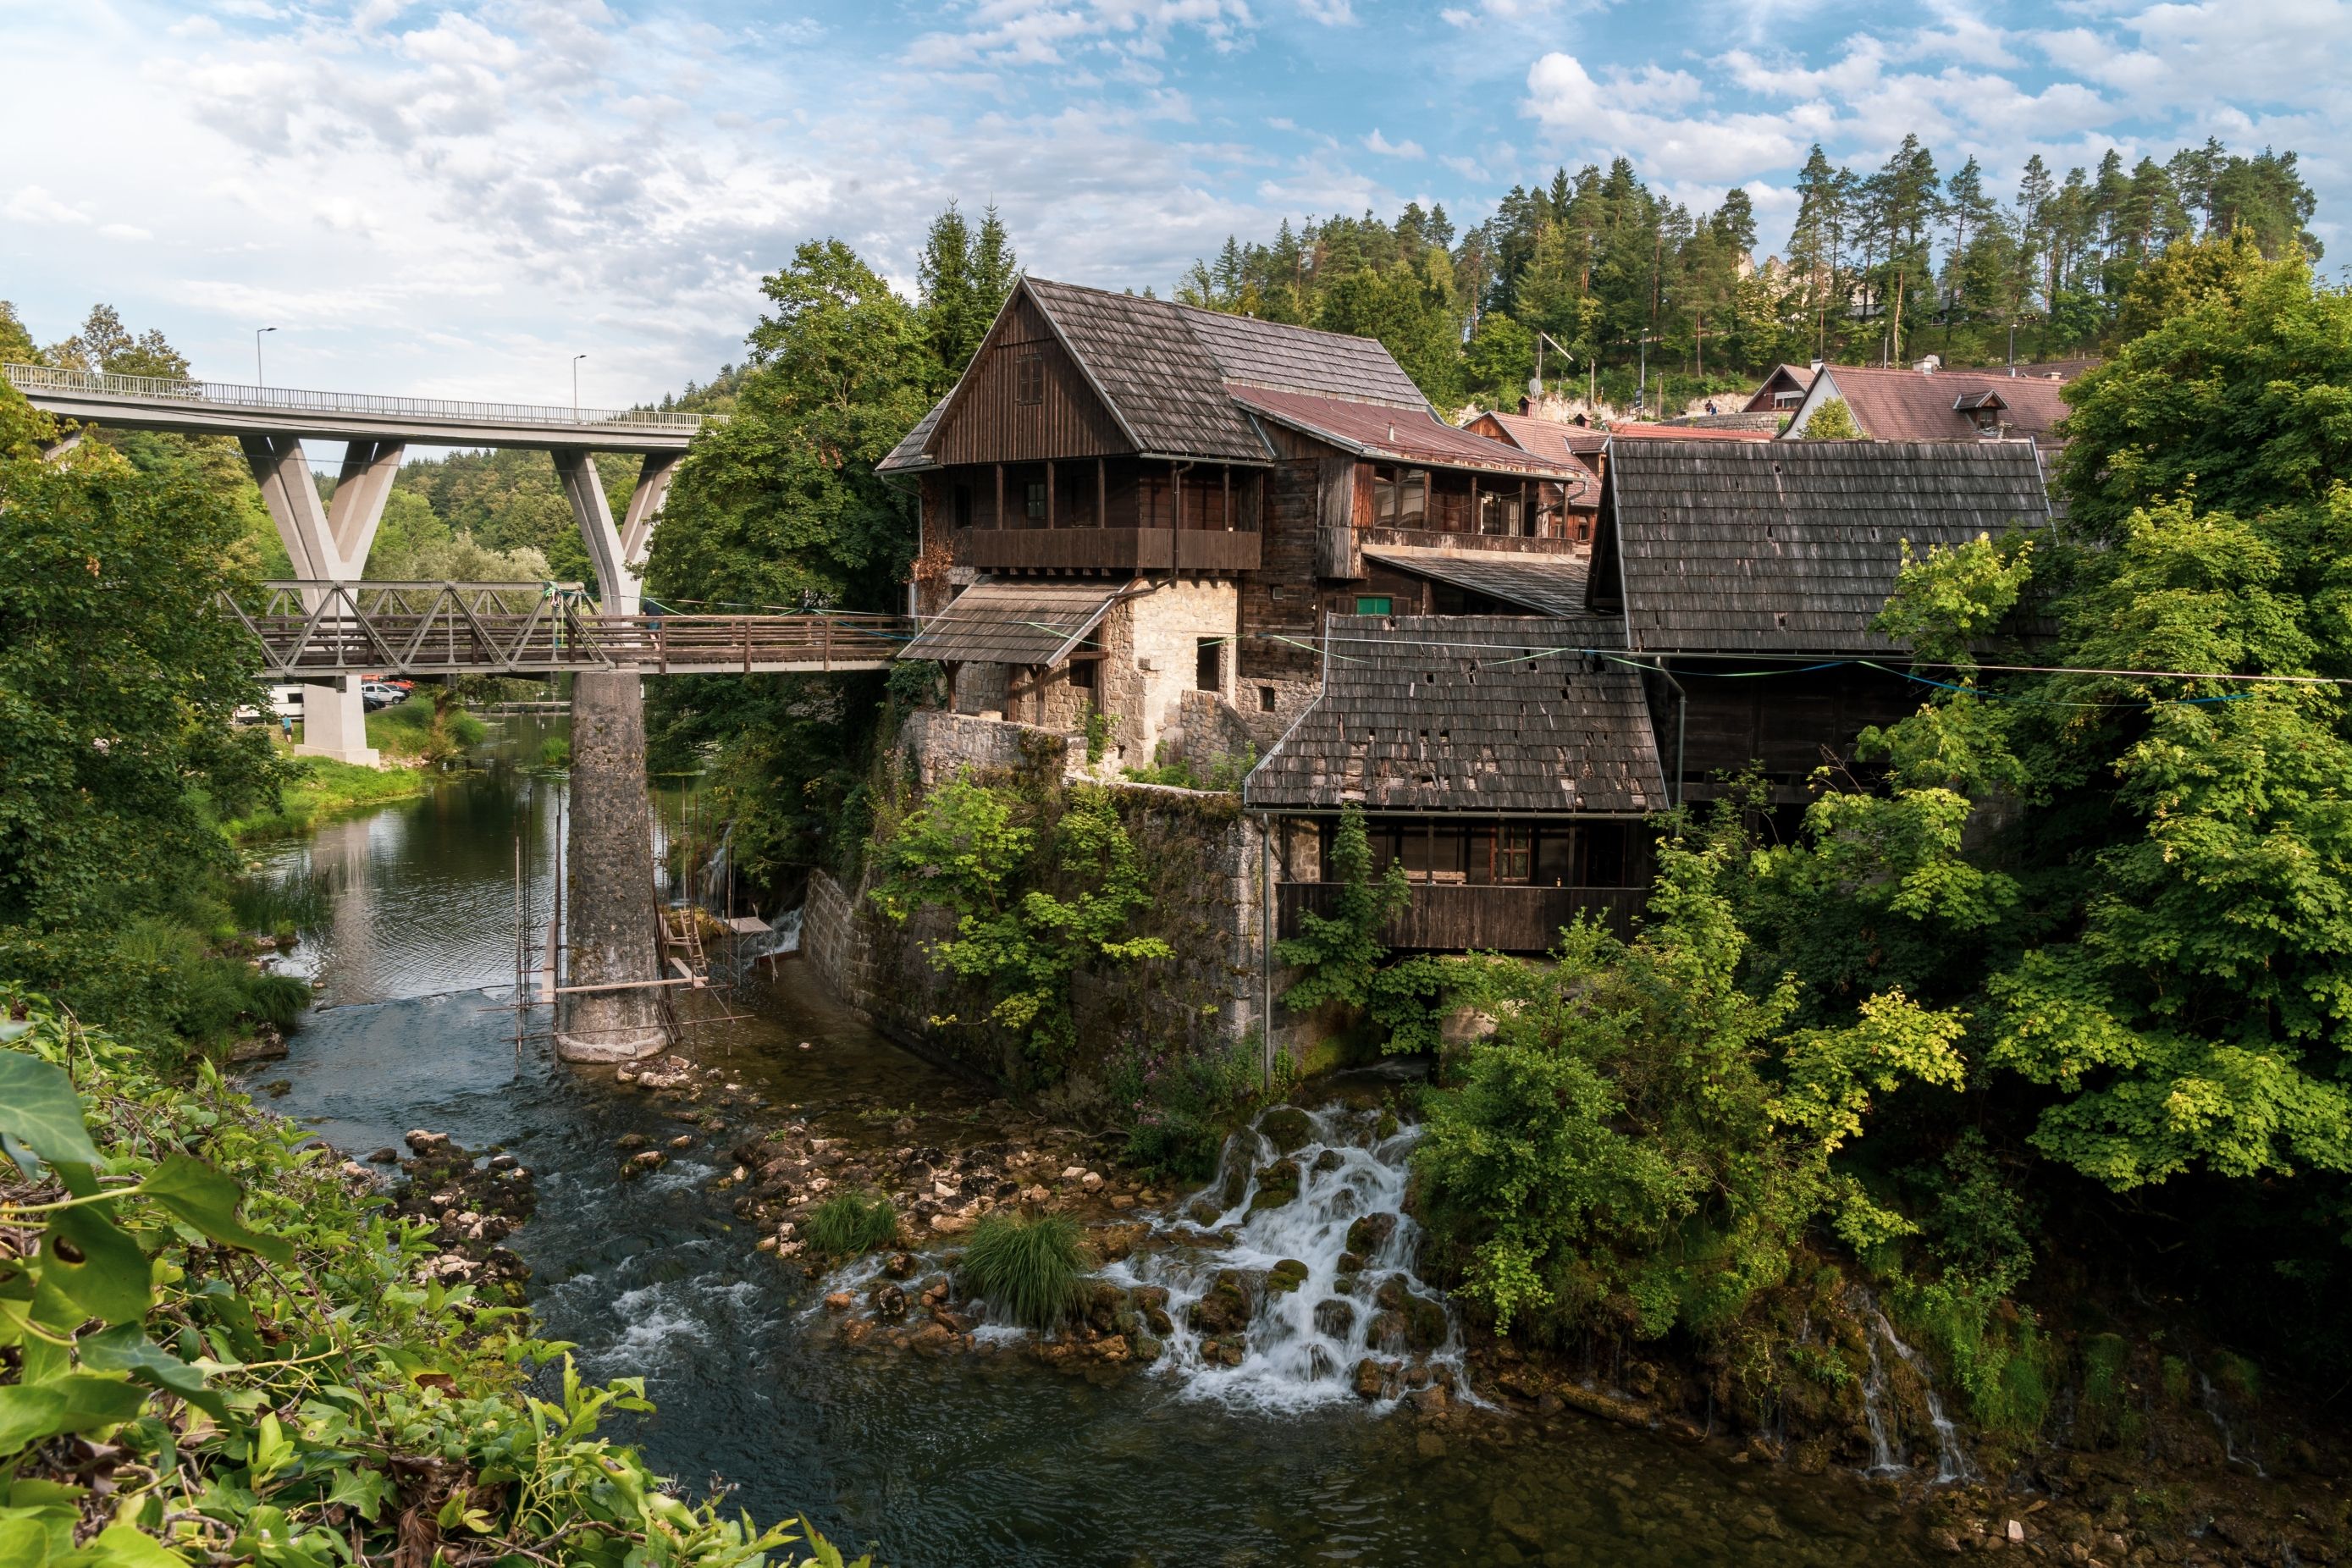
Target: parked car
[[375, 694]]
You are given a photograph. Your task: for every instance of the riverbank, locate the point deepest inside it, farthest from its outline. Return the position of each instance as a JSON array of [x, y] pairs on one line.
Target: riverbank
[[322, 787]]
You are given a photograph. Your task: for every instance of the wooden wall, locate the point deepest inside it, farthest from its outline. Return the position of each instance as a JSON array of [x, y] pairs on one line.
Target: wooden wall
[[988, 426], [1790, 723]]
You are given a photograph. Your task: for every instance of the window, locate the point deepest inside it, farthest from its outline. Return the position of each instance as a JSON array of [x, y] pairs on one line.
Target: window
[[1208, 664], [1374, 604], [1514, 853], [1029, 376], [1082, 673], [1036, 500], [1265, 699]]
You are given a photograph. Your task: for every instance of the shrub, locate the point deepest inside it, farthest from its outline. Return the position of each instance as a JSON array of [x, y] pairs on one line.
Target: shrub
[[1182, 1104], [555, 753], [1027, 1268], [849, 1224]]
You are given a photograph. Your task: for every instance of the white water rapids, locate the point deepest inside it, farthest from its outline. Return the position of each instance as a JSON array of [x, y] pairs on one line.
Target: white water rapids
[[1303, 1346]]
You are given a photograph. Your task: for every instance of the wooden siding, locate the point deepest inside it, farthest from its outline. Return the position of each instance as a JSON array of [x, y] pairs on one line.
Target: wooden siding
[[987, 424], [1786, 722], [1279, 599], [1454, 918], [1109, 550]]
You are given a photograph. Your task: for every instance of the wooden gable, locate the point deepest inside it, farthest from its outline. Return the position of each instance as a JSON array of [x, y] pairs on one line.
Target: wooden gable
[[1025, 399]]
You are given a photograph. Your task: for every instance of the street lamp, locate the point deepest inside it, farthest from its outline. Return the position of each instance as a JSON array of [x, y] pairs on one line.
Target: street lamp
[[575, 383], [257, 380]]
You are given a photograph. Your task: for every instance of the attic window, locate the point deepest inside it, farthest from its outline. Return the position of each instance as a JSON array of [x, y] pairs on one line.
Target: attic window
[[1029, 376]]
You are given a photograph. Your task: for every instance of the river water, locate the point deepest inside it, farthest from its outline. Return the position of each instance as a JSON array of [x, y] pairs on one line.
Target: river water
[[926, 1463]]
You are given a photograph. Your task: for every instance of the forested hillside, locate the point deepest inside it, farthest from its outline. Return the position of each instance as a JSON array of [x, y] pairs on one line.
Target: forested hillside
[[1899, 261]]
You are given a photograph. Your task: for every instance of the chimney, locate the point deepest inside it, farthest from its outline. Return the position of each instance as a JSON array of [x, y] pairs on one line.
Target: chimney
[[1527, 405], [1817, 366]]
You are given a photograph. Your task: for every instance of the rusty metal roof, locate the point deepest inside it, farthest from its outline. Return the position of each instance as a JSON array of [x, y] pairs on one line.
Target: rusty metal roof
[[1015, 622], [1449, 713], [1399, 435], [1892, 403]]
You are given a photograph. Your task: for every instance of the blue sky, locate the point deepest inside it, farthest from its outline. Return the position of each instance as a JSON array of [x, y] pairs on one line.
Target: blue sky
[[454, 199]]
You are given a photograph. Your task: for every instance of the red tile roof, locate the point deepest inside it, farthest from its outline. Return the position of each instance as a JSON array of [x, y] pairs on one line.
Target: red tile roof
[[1378, 430]]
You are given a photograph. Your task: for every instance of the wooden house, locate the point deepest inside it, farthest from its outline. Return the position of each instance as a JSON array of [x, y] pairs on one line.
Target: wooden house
[[1925, 402], [1784, 389], [1724, 622], [1559, 440], [1127, 500]]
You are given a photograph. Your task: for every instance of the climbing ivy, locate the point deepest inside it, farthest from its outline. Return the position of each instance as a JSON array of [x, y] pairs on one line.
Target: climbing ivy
[[1039, 888]]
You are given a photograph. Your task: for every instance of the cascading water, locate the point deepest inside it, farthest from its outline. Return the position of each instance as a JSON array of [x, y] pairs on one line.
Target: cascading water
[[1951, 1460], [1290, 1278]]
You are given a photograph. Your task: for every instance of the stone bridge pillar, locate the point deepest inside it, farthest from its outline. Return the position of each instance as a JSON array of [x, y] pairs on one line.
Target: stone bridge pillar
[[613, 931]]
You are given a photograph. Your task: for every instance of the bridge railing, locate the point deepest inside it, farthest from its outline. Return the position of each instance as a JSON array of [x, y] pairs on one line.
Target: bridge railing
[[36, 379], [320, 628]]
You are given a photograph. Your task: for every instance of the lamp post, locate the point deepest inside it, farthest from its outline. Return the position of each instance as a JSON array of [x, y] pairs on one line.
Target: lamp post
[[575, 385], [258, 379]]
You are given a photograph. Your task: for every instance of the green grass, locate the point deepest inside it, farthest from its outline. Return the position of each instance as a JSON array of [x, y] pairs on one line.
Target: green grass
[[554, 753], [407, 730], [1029, 1269], [282, 907], [847, 1223], [322, 786]]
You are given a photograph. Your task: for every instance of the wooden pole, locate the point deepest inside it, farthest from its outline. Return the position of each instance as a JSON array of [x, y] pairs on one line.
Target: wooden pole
[[1102, 493], [1226, 475], [1000, 496], [1049, 494]]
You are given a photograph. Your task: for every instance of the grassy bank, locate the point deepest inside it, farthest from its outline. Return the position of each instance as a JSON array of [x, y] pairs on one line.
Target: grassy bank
[[323, 787], [269, 1367]]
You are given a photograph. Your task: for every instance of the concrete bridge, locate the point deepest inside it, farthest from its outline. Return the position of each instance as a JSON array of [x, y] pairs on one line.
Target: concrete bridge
[[329, 626]]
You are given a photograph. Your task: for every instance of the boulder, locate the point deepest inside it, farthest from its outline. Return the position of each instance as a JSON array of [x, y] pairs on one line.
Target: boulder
[[385, 1156], [1334, 1317], [889, 1300], [1225, 1309], [1277, 1185], [1367, 1234], [1285, 1276], [1288, 1128], [1371, 1378]]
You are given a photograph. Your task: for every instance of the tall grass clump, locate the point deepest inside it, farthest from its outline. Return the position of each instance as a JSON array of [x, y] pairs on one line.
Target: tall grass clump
[[283, 906], [847, 1223], [1028, 1269]]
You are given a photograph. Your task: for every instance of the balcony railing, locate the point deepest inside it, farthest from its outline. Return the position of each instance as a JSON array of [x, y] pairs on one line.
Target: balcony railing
[[1111, 549], [1454, 917], [36, 379]]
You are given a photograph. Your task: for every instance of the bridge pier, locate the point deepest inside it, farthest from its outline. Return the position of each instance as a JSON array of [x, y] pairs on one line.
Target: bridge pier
[[334, 723], [613, 931]]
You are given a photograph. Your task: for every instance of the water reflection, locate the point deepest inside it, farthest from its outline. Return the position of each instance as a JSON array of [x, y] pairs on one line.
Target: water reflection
[[931, 1463]]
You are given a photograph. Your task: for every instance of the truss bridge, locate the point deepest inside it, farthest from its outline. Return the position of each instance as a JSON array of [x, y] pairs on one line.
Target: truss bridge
[[313, 630]]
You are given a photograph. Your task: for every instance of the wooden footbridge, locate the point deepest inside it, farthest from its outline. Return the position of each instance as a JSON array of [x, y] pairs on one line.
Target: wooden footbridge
[[312, 631]]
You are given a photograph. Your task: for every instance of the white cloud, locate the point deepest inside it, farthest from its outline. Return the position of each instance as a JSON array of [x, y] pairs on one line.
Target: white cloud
[[1376, 143], [33, 204], [1331, 13], [1563, 97]]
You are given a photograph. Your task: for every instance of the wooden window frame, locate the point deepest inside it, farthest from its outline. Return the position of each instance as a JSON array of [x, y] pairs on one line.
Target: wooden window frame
[[1028, 376]]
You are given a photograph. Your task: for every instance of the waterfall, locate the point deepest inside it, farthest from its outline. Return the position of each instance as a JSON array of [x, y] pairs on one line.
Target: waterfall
[[2213, 1411], [1267, 1304], [1951, 1460]]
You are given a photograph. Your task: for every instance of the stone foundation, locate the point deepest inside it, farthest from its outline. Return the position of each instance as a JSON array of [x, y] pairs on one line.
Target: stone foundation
[[611, 930]]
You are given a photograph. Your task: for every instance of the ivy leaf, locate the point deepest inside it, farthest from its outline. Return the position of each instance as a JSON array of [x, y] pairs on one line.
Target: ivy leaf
[[365, 1491], [92, 1401], [204, 1198], [28, 1414], [127, 1348], [121, 1546], [38, 1107], [96, 1265]]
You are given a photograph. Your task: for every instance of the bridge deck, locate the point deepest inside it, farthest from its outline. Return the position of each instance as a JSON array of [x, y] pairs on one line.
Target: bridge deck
[[319, 629], [228, 408]]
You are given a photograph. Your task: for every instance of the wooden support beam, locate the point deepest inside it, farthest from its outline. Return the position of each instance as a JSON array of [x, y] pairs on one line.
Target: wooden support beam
[[1000, 521], [1102, 493], [1049, 493]]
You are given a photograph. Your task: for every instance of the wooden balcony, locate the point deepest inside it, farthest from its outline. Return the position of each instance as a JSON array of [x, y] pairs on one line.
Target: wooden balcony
[[1208, 552], [1456, 916]]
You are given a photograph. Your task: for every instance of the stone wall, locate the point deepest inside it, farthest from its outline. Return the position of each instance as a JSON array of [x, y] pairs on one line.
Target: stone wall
[[1203, 870]]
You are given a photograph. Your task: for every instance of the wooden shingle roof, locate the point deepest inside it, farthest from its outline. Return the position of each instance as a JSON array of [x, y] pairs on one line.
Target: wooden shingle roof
[[1301, 359], [1543, 585], [1447, 713], [1159, 381], [1012, 622], [1789, 547]]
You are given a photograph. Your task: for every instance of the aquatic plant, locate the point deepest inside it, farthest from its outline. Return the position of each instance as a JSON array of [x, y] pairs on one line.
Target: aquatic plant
[[849, 1224], [1029, 1268], [279, 904]]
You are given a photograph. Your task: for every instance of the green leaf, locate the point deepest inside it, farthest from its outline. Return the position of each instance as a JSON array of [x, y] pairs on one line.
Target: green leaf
[[35, 1536], [365, 1491], [38, 1107], [121, 1546], [92, 1401], [204, 1198], [25, 1415], [127, 1348], [106, 1274]]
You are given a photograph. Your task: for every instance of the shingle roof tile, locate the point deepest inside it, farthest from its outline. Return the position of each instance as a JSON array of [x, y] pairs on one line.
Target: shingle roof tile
[[1018, 622]]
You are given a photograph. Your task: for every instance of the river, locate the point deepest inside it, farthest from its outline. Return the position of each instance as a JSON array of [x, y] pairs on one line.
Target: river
[[928, 1463]]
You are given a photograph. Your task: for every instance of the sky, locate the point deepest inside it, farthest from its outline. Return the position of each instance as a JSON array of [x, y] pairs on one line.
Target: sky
[[453, 200]]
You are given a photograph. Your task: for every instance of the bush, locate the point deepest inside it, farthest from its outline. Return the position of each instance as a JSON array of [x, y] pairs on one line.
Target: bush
[[1182, 1105], [555, 753], [1028, 1268], [849, 1224], [260, 1346]]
